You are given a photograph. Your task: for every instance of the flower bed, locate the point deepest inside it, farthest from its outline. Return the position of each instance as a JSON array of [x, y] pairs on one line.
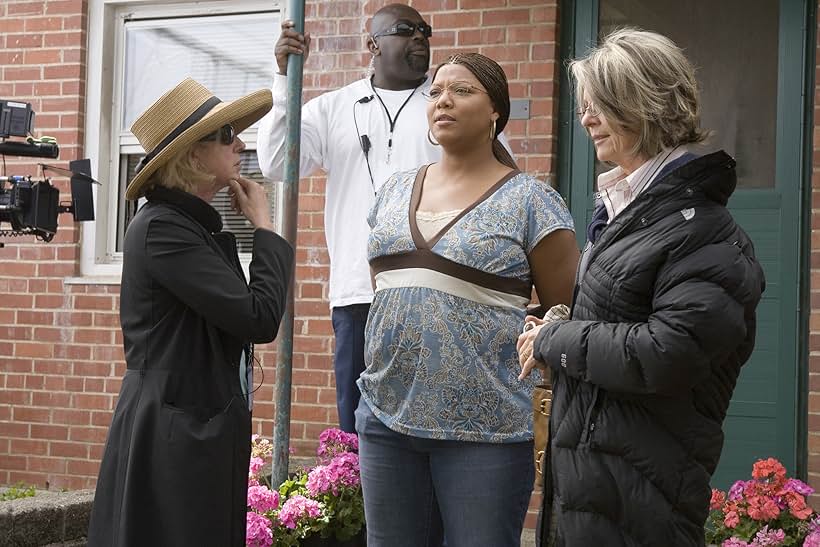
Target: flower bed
[[324, 501]]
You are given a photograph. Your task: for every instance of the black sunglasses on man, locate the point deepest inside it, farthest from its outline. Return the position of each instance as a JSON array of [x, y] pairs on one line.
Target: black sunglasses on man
[[406, 29]]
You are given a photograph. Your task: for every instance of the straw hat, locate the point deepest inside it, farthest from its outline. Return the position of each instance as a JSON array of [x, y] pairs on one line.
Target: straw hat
[[181, 117]]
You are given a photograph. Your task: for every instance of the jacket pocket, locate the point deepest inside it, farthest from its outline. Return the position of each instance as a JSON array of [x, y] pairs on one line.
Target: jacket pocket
[[198, 466]]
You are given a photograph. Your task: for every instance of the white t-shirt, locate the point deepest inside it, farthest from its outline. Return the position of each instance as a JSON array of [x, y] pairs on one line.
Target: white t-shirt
[[330, 142]]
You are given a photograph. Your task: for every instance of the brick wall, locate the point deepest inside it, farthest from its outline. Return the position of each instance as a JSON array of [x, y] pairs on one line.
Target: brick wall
[[58, 342], [60, 348], [814, 284]]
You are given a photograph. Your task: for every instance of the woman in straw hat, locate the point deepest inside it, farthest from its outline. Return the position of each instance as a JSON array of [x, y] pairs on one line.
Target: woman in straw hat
[[175, 466]]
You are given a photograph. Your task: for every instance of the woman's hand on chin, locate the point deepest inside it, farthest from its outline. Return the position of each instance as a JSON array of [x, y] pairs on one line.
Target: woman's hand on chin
[[250, 200]]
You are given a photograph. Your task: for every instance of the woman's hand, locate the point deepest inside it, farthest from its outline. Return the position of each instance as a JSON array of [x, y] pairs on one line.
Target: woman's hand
[[250, 200], [290, 43], [526, 340]]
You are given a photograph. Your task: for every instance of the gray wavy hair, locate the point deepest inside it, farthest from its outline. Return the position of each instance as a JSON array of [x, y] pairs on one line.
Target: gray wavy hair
[[643, 84]]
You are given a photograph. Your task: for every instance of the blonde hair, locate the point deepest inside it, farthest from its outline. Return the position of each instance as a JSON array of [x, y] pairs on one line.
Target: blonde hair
[[182, 171], [643, 84]]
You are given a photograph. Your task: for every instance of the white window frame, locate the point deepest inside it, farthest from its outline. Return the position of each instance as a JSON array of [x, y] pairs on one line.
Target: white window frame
[[105, 58]]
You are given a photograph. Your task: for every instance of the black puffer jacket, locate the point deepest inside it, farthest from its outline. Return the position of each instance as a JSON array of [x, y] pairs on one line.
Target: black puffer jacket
[[663, 319]]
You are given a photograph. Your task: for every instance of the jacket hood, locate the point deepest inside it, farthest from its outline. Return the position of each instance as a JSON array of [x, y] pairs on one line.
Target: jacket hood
[[714, 174]]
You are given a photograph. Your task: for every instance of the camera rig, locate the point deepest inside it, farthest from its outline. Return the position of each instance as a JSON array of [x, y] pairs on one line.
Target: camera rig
[[28, 204]]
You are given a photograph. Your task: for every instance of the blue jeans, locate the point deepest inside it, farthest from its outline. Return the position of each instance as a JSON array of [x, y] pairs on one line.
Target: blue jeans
[[479, 492], [348, 360]]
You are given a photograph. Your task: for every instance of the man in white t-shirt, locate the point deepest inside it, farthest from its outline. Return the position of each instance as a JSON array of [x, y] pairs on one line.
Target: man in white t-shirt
[[358, 135]]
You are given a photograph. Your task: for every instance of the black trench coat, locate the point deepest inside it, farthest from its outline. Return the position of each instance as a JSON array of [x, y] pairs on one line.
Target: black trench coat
[[175, 467]]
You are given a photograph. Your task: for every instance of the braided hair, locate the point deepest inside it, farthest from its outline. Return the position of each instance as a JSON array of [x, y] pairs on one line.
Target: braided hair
[[494, 80]]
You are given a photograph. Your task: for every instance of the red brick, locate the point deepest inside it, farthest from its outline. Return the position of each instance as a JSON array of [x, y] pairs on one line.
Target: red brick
[[68, 450], [25, 317], [16, 365], [15, 333], [88, 434], [14, 41], [47, 465], [35, 382], [69, 351], [73, 318], [33, 349], [52, 367], [455, 20], [51, 399], [16, 397], [23, 414], [28, 447], [92, 402], [103, 419], [62, 39], [61, 72], [83, 467], [72, 417], [93, 336], [65, 6], [49, 432]]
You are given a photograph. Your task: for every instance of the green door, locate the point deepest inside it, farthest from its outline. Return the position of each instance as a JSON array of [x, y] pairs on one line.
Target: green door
[[751, 57]]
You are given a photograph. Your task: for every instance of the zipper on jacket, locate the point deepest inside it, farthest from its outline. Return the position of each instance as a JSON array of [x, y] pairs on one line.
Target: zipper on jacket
[[592, 414]]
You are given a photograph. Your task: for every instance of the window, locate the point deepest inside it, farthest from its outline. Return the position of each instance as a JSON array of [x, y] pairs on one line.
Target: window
[[147, 48]]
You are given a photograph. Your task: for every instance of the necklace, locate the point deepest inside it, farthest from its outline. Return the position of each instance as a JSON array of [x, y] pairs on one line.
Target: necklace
[[391, 119]]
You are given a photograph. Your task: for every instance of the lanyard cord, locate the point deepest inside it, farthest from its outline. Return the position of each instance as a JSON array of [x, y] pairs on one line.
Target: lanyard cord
[[390, 118]]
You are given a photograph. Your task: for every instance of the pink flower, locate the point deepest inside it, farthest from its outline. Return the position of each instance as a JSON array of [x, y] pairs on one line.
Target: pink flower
[[334, 441], [342, 471], [731, 519], [255, 466], [734, 542], [258, 531], [765, 537], [736, 491], [798, 487], [261, 499], [296, 508], [812, 540]]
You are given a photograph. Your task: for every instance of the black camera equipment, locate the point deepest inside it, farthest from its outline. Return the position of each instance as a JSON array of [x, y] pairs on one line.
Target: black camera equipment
[[28, 204]]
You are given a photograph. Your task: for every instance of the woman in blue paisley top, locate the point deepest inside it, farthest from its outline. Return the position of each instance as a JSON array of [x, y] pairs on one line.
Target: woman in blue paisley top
[[445, 425]]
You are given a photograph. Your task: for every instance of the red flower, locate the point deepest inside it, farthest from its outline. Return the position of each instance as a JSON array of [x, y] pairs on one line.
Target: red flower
[[731, 520], [797, 505], [769, 468], [718, 499], [763, 508]]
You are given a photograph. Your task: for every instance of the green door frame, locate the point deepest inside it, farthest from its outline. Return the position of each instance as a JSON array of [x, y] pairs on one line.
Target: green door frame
[[795, 126]]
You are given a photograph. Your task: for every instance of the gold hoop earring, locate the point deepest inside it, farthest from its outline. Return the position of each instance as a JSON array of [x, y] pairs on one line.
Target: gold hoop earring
[[492, 131], [430, 138]]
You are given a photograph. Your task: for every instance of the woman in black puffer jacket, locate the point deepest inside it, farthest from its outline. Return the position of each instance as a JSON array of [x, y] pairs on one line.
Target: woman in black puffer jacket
[[663, 316]]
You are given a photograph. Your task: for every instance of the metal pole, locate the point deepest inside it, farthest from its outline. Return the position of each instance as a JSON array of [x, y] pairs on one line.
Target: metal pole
[[284, 353]]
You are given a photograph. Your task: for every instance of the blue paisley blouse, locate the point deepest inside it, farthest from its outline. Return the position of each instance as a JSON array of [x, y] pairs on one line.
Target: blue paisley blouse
[[440, 338]]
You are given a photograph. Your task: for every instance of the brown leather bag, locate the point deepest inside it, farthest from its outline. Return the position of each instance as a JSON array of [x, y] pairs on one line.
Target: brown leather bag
[[541, 405]]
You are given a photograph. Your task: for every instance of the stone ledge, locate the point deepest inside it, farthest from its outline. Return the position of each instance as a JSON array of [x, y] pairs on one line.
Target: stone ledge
[[49, 518]]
